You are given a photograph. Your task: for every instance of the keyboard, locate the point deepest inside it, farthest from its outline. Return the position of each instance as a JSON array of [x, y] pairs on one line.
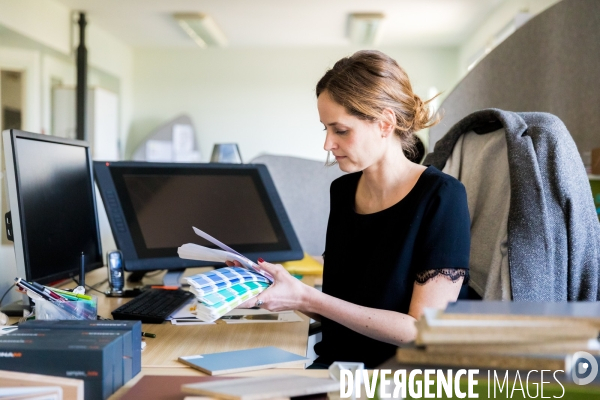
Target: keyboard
[[152, 306]]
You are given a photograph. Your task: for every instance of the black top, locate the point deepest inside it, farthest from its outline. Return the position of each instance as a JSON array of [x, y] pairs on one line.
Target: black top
[[372, 259]]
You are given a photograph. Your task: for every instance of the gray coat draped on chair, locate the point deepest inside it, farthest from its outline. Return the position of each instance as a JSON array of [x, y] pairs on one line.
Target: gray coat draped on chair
[[553, 229]]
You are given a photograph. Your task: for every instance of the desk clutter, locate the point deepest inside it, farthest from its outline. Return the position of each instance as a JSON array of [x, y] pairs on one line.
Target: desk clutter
[[52, 304], [509, 335], [186, 315], [105, 354], [307, 266]]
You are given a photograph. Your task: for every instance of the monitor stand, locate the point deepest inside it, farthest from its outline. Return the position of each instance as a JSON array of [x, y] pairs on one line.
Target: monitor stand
[[136, 276], [173, 277], [16, 308]]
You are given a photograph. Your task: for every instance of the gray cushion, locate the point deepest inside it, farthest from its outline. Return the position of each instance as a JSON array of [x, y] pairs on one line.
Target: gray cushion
[[303, 186]]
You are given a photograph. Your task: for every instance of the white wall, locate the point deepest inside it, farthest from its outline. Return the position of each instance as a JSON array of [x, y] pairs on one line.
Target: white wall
[[35, 37], [49, 24], [45, 21], [109, 54], [263, 99], [493, 24]]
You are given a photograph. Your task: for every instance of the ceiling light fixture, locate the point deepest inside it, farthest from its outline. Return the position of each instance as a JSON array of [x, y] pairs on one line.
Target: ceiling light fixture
[[365, 28], [202, 29]]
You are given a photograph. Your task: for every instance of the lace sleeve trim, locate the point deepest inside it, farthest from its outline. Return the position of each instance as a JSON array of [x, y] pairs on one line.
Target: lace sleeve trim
[[451, 273]]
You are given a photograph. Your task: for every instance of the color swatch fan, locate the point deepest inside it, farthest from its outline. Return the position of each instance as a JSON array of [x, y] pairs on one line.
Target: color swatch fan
[[222, 290]]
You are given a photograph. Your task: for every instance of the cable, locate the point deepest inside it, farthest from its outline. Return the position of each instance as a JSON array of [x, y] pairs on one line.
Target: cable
[[92, 287], [98, 284], [155, 273], [5, 293]]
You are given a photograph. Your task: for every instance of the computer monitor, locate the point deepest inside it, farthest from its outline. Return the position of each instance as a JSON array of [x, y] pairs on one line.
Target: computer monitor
[[52, 218], [152, 208]]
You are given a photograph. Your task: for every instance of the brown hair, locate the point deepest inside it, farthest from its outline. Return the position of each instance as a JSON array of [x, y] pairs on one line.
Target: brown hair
[[368, 82]]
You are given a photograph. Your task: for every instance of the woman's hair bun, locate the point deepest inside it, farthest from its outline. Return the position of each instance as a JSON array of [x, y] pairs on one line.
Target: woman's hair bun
[[368, 82]]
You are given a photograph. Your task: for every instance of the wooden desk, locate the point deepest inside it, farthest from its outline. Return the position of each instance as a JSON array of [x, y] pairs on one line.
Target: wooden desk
[[161, 353], [173, 341], [315, 373]]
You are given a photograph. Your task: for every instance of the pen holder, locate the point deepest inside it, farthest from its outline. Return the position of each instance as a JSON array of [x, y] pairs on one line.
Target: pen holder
[[81, 309]]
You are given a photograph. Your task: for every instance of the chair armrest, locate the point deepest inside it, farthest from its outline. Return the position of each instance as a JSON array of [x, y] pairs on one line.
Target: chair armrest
[[314, 328]]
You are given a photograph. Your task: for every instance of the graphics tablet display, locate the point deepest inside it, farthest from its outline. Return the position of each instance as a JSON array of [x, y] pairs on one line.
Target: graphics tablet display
[[153, 206]]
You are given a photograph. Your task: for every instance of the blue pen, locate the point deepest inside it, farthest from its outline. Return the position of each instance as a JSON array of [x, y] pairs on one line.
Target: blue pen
[[28, 286]]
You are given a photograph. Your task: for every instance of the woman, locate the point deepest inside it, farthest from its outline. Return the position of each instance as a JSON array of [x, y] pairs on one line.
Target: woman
[[398, 232]]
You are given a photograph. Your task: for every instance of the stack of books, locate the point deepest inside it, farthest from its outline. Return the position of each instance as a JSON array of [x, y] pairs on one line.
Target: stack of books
[[509, 335]]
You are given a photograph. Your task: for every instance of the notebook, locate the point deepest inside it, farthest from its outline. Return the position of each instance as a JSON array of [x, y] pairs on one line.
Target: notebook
[[566, 312], [263, 387], [72, 389], [241, 360], [168, 387]]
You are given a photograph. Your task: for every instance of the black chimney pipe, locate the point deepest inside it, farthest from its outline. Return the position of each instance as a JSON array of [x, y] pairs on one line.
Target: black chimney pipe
[[81, 96]]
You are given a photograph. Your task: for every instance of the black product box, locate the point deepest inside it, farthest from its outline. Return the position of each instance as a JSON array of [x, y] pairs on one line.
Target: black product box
[[45, 353], [89, 336], [86, 338], [132, 340]]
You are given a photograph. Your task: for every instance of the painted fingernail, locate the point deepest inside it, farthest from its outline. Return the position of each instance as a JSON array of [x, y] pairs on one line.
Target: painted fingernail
[[260, 260]]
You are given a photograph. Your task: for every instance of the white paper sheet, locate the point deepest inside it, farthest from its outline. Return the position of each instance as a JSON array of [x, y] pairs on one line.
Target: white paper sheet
[[193, 251], [216, 242], [186, 316], [197, 252]]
